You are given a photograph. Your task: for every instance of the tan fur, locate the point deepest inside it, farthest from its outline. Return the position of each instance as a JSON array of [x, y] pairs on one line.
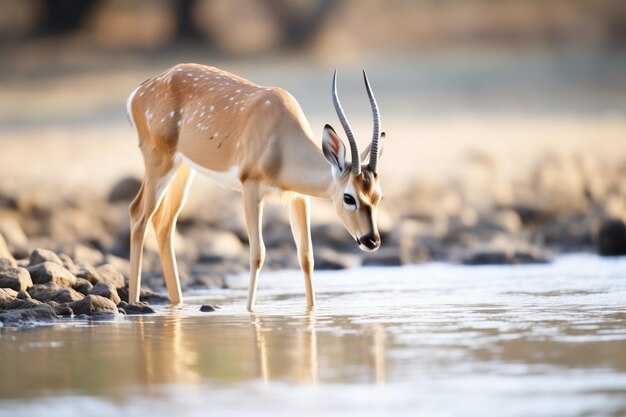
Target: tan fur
[[214, 120]]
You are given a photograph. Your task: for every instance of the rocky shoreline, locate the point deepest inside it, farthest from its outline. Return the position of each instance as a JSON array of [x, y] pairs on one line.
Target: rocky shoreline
[[563, 205], [46, 286]]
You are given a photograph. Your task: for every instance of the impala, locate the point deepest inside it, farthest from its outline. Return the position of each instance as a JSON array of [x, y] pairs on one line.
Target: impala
[[256, 139]]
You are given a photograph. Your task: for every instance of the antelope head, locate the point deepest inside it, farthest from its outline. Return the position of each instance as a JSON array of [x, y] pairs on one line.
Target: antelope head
[[355, 189]]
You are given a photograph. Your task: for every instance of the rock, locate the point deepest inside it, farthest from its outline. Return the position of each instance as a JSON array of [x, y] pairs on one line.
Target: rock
[[7, 295], [20, 303], [20, 317], [207, 308], [109, 274], [51, 272], [17, 279], [82, 286], [24, 263], [612, 238], [8, 263], [61, 310], [422, 240], [87, 272], [50, 291], [32, 203], [120, 264], [570, 232], [503, 257], [146, 295], [334, 237], [124, 190], [106, 290], [208, 280], [88, 254], [326, 258], [123, 293], [23, 295], [152, 297], [69, 264], [16, 239], [4, 250], [39, 256], [93, 304], [135, 308]]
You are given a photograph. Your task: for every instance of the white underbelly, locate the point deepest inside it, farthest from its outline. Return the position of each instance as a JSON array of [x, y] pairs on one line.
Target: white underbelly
[[228, 179]]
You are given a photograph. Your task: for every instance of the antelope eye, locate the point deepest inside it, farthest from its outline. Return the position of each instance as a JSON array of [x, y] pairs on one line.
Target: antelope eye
[[349, 200]]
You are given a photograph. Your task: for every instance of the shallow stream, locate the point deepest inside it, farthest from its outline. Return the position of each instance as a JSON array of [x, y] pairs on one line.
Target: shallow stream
[[432, 340]]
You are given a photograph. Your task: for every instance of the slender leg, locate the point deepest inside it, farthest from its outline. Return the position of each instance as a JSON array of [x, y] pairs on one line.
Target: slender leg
[[300, 219], [164, 223], [253, 210], [141, 211]]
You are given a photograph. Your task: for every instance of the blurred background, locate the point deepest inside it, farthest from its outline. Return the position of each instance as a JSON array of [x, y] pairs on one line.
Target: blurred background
[[506, 122]]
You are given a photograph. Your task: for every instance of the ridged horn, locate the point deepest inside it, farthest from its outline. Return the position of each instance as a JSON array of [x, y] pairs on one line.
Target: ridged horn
[[376, 133], [354, 148]]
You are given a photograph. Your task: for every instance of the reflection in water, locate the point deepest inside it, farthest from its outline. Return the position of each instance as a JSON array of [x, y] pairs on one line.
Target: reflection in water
[[260, 349], [164, 355], [293, 356], [378, 346], [302, 366], [444, 340]]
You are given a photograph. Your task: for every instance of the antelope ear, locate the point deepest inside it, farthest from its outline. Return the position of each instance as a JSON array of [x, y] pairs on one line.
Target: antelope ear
[[365, 155], [334, 150]]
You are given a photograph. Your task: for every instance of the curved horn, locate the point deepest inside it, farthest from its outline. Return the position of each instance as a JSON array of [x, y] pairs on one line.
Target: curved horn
[[354, 148], [376, 134]]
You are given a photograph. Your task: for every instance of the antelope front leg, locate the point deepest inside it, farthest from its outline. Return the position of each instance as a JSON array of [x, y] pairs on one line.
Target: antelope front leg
[[253, 210], [299, 215]]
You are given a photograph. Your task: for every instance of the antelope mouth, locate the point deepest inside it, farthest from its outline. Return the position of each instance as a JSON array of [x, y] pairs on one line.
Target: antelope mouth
[[371, 246]]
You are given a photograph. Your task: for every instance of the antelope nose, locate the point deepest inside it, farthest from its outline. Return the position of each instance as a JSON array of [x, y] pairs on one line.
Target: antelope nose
[[370, 241]]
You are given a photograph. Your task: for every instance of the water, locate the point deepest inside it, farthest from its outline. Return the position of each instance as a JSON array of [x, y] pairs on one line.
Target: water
[[433, 340]]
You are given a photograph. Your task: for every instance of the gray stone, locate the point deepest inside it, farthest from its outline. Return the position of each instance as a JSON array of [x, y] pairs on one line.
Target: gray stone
[[53, 292], [93, 304], [87, 272], [4, 250], [106, 290], [503, 257], [8, 263], [20, 303], [17, 279], [14, 235], [332, 236], [83, 286], [152, 297], [23, 295], [207, 308], [69, 264], [27, 316], [612, 238], [124, 190], [39, 256], [61, 310], [7, 295], [109, 274], [326, 258], [120, 264], [51, 272], [87, 254], [135, 308]]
